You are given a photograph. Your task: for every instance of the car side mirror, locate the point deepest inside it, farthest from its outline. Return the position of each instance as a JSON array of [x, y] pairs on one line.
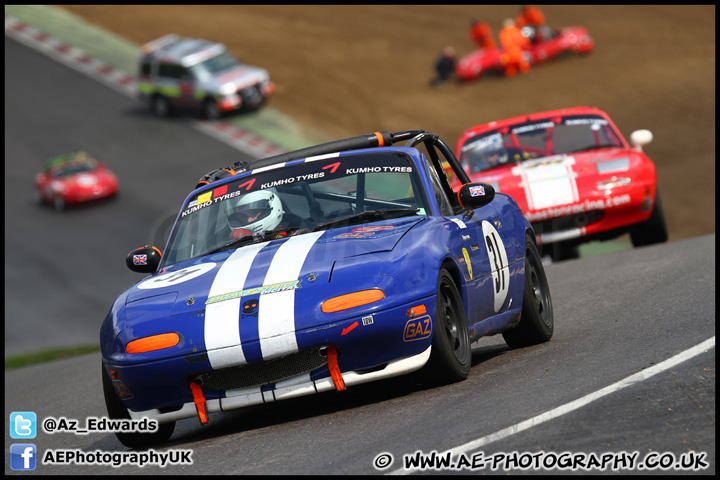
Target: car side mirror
[[144, 260], [475, 195], [638, 138]]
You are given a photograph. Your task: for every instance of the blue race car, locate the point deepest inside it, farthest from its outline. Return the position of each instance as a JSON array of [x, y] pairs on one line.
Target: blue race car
[[319, 269]]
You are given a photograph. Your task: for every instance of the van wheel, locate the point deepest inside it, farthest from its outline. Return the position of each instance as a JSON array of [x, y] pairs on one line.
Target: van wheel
[[211, 110], [252, 98], [160, 106]]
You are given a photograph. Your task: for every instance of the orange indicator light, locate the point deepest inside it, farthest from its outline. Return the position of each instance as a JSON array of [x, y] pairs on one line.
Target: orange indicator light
[[351, 300], [156, 342]]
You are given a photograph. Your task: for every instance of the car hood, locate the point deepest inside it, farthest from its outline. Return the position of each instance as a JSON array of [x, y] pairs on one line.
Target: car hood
[[565, 179], [87, 179], [240, 77], [314, 265]]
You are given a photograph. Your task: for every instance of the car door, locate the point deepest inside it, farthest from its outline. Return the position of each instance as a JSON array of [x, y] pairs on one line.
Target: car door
[[174, 82], [484, 247], [187, 90], [497, 250]]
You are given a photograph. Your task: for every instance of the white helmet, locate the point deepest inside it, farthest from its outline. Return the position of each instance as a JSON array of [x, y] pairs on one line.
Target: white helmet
[[257, 212]]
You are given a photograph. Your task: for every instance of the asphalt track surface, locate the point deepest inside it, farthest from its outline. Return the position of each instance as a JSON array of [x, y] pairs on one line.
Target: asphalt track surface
[[616, 315], [63, 269], [620, 320]]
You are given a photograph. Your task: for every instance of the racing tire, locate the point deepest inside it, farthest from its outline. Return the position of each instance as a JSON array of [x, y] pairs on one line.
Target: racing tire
[[560, 251], [451, 354], [651, 231], [117, 410], [59, 204], [38, 198], [536, 319], [160, 106]]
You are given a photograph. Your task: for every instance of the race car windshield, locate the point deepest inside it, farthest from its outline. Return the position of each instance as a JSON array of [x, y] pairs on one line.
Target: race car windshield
[[74, 169], [542, 138], [298, 198], [213, 66]]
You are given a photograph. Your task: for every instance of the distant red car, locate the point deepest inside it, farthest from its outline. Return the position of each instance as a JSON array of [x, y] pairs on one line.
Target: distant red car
[[569, 39], [72, 179], [573, 174]]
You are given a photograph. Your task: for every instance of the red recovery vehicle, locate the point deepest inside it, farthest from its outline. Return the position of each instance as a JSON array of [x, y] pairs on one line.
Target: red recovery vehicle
[[489, 60]]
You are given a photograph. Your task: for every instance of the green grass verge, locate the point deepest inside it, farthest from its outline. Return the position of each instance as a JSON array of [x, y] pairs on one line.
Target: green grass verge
[[47, 356]]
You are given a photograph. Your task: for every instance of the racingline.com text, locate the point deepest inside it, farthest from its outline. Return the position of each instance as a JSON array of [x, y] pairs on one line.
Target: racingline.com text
[[688, 461]]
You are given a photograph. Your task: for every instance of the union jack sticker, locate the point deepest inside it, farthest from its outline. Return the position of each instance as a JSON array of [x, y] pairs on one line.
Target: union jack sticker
[[477, 191], [140, 259]]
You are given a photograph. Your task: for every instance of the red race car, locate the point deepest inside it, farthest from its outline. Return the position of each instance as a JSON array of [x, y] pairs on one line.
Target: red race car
[[72, 179], [566, 40], [573, 174]]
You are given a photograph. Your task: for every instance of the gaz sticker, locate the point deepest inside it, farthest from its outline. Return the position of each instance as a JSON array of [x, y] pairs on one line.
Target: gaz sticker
[[417, 329]]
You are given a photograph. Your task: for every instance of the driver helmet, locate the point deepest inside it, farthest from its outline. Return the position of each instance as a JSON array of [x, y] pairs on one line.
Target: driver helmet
[[257, 212], [495, 154], [488, 153]]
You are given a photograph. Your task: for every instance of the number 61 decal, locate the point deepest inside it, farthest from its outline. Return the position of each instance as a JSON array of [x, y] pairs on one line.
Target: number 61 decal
[[498, 263]]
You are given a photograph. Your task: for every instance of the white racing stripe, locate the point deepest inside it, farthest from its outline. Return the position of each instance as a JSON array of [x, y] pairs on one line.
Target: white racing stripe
[[276, 318], [269, 167], [276, 311], [222, 326]]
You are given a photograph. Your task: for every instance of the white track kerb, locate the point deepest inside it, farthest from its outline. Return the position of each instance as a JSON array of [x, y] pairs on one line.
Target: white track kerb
[[124, 83]]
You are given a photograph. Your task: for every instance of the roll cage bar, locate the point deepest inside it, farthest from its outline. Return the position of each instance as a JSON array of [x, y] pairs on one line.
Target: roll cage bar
[[436, 148]]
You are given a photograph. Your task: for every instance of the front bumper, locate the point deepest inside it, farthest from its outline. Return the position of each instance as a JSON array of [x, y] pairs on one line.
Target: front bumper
[[291, 388], [89, 194], [594, 215], [370, 347], [237, 100]]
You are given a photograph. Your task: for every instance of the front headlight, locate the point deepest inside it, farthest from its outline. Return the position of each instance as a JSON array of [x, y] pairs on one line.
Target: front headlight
[[613, 183], [227, 90], [615, 165], [57, 186]]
